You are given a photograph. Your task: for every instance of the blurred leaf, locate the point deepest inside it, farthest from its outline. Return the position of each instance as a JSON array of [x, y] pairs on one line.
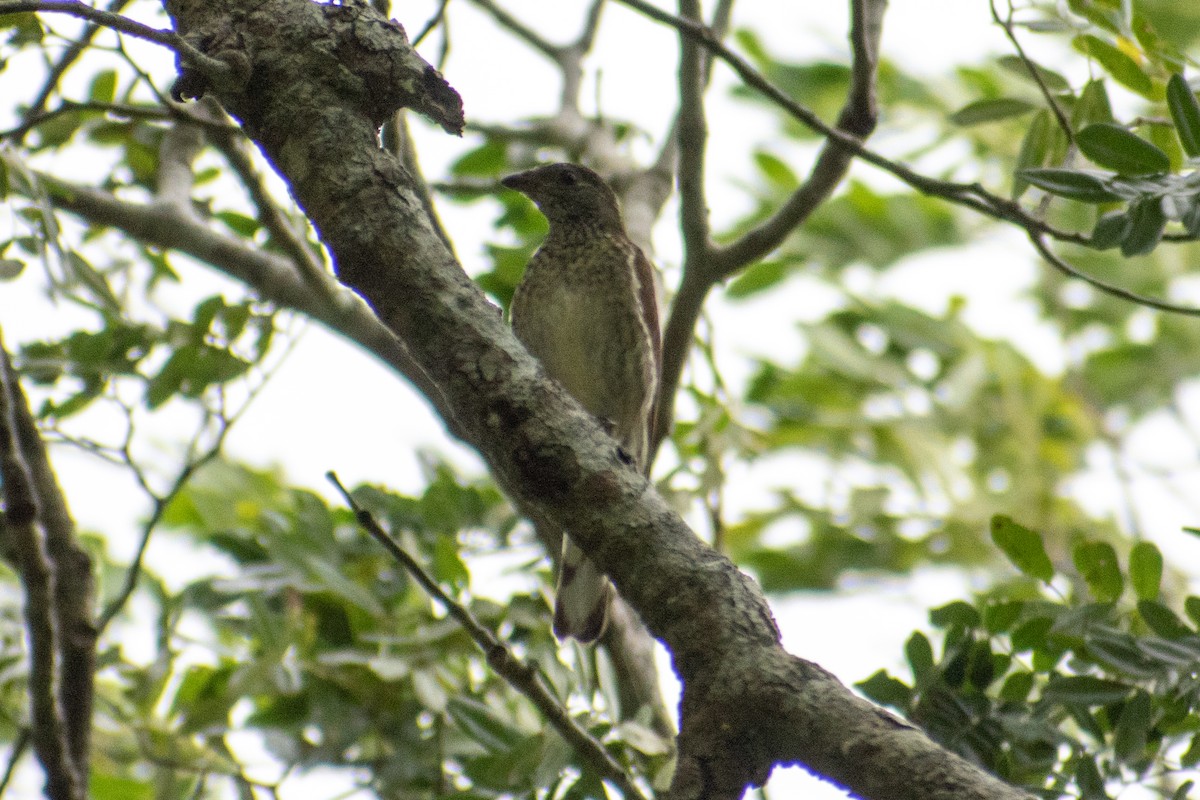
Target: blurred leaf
[[1116, 63], [1145, 570], [1185, 112], [104, 87], [886, 690], [991, 110], [1086, 690], [1023, 547], [1097, 563], [1146, 224], [1162, 620], [1019, 66]]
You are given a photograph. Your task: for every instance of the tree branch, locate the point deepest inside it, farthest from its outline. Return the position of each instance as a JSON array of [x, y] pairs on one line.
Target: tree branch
[[857, 118], [970, 195], [691, 131], [56, 574], [1039, 244], [274, 277]]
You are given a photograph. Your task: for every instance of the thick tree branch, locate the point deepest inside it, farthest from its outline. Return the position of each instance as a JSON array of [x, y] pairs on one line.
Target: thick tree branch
[[747, 704], [56, 574]]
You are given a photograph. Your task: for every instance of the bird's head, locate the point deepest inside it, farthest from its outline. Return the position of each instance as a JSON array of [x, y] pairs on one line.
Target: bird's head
[[569, 194]]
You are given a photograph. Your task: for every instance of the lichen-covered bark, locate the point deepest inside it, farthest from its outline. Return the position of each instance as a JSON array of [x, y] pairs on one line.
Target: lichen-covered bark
[[308, 94]]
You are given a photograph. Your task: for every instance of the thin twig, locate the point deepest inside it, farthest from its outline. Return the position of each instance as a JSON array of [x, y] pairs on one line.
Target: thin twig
[[19, 746], [68, 57], [521, 676], [1039, 243], [1006, 25], [281, 228], [521, 30], [125, 25], [591, 26], [433, 22]]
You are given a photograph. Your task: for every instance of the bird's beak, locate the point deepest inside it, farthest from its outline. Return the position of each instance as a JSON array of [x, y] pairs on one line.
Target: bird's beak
[[520, 182]]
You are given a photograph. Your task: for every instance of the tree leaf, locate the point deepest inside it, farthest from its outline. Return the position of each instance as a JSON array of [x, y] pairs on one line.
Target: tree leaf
[[1110, 145], [1146, 224], [1162, 620], [991, 110], [1089, 187], [1034, 148], [1086, 690], [1185, 111], [1111, 229], [1145, 570], [1121, 66], [1023, 547], [1097, 563]]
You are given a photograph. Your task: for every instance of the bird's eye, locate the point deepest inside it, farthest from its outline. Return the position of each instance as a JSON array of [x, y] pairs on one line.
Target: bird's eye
[[567, 178]]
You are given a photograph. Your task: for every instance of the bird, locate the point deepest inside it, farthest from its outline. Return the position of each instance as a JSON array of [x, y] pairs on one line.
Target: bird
[[587, 309]]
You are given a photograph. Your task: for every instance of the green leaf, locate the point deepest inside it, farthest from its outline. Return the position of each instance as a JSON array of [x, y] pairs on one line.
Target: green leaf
[[1146, 224], [104, 87], [1034, 148], [757, 278], [1111, 229], [1097, 563], [991, 110], [1133, 727], [1145, 570], [1110, 145], [1085, 690], [776, 170], [1121, 66], [118, 787], [1185, 111], [886, 690], [919, 653], [1088, 187], [1162, 620], [955, 614], [1087, 776], [1017, 687], [1092, 106], [1023, 547], [1191, 607], [483, 724]]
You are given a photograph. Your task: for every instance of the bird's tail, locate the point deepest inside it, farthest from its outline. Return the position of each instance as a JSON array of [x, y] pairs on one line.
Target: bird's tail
[[582, 599]]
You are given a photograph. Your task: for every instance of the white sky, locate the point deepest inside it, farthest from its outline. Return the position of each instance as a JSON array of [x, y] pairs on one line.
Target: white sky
[[300, 420]]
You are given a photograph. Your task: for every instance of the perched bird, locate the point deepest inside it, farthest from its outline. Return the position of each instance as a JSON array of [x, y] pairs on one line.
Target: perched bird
[[587, 309]]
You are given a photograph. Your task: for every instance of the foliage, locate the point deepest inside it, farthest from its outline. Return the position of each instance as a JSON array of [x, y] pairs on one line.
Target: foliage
[[1069, 682]]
